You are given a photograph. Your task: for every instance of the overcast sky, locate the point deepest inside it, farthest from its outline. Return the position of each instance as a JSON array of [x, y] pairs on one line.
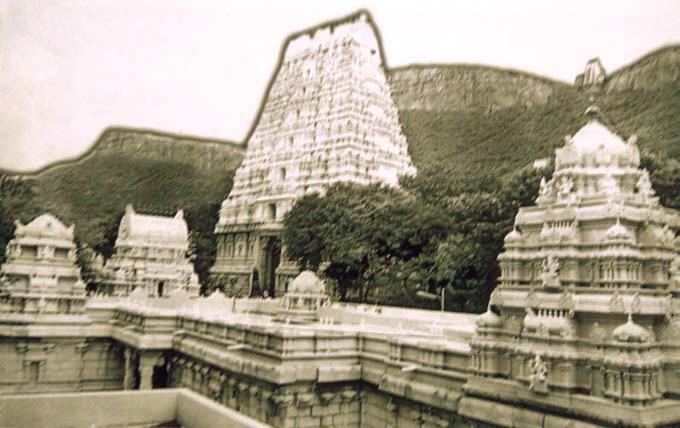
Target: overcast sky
[[69, 69]]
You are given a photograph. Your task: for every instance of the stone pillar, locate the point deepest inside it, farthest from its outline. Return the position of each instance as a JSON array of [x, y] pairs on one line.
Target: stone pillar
[[147, 361], [129, 375]]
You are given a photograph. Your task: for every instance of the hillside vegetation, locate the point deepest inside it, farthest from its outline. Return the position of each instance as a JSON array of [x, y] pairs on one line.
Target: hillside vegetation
[[93, 193], [478, 120], [463, 123]]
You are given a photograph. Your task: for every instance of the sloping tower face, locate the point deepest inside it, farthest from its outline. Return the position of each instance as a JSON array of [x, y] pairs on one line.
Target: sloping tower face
[[329, 117]]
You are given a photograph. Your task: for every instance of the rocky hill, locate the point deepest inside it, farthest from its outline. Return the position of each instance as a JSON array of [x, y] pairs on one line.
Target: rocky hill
[[203, 153], [470, 120], [477, 120], [147, 168]]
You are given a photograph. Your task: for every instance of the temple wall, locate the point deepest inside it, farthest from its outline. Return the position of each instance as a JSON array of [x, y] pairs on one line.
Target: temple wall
[[57, 364], [301, 404], [379, 410], [233, 283]]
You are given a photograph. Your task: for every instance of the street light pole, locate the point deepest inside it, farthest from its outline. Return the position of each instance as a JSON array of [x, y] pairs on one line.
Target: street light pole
[[432, 296]]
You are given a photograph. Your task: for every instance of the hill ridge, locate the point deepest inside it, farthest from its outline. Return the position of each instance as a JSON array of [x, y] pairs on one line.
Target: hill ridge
[[95, 147]]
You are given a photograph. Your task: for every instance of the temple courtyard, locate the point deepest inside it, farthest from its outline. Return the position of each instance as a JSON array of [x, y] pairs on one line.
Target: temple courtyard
[[582, 329]]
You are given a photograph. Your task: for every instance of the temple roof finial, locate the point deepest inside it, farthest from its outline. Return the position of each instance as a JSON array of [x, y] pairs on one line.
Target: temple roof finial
[[593, 110]]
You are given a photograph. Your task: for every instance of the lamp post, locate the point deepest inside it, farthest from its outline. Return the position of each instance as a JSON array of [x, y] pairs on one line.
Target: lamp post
[[432, 296]]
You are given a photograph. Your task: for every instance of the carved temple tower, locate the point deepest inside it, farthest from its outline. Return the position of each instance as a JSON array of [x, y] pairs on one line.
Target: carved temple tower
[[586, 316], [329, 117], [150, 256], [40, 275]]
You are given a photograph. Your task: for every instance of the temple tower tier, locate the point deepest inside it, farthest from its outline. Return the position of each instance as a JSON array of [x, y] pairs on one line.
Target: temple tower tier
[[329, 117], [150, 257], [587, 307], [40, 275]]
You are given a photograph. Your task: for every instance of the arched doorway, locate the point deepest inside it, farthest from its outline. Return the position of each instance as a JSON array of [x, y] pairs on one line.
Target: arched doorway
[[272, 258], [255, 285], [159, 378]]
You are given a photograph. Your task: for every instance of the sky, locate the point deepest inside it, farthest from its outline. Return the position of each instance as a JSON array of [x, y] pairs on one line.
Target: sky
[[69, 69]]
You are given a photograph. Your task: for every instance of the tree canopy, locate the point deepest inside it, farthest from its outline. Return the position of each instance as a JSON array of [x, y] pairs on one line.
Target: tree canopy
[[383, 245]]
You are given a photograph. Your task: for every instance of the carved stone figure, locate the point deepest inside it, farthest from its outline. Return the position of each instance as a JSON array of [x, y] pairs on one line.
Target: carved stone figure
[[609, 185], [550, 275], [566, 188], [674, 272], [598, 334], [635, 304], [544, 192], [644, 185], [616, 303], [538, 377]]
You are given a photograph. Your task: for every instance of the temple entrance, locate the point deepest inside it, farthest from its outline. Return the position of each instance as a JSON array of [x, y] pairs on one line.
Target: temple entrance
[[160, 287], [255, 287], [137, 379], [272, 258], [159, 379]]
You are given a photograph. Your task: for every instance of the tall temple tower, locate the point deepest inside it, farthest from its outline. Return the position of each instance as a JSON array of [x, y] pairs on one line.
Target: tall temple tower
[[329, 117], [586, 316]]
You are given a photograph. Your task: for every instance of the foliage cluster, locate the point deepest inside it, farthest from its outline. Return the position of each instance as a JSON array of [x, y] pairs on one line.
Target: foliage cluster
[[384, 245], [93, 194]]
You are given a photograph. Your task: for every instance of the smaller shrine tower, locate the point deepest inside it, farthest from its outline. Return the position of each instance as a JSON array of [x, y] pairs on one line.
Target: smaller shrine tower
[[593, 75], [40, 275], [586, 316], [150, 256]]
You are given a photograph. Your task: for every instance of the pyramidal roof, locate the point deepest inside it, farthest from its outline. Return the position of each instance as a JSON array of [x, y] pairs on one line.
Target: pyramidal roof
[[153, 228], [328, 117], [45, 226], [595, 136]]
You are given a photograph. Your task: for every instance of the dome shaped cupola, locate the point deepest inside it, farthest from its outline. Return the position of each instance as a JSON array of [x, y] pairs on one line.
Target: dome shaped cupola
[[489, 319], [305, 295], [595, 136], [630, 332], [619, 232], [514, 237], [307, 283]]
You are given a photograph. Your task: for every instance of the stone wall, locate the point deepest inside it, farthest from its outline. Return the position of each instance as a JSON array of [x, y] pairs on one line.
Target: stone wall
[[301, 404], [379, 410], [59, 364]]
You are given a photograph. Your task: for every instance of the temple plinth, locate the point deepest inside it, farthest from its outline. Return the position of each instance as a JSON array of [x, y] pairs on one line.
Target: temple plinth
[[329, 117]]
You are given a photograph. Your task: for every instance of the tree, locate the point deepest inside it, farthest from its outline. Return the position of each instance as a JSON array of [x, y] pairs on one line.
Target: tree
[[375, 239], [17, 202], [109, 233], [201, 220], [84, 259], [665, 177]]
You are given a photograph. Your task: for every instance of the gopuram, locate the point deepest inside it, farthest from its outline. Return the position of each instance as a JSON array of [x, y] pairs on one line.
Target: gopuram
[[329, 117], [582, 331], [585, 320], [44, 319], [150, 256], [40, 275]]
